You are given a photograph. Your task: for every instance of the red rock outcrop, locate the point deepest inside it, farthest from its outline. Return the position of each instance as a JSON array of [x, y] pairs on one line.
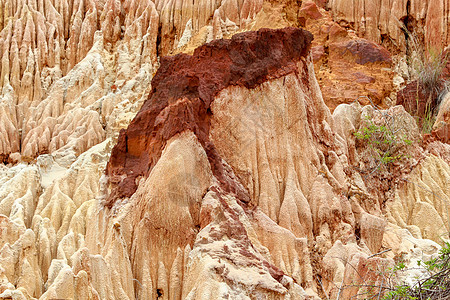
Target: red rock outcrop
[[416, 100], [181, 99], [424, 102]]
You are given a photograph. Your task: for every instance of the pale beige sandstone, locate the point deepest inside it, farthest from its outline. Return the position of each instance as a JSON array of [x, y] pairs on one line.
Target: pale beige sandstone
[[211, 264], [194, 27], [56, 217], [216, 252], [274, 140], [382, 21], [272, 144], [19, 192], [424, 200], [56, 68], [416, 207], [168, 213], [365, 270], [19, 261], [421, 196], [181, 20], [411, 249], [402, 128], [9, 141]]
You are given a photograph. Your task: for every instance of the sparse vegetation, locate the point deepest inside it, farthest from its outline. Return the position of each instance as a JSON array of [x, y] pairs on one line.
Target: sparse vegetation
[[434, 85], [433, 285], [427, 65], [384, 142], [436, 285]]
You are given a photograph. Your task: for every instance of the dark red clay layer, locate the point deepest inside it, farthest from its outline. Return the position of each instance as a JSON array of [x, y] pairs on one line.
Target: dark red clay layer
[[366, 52], [182, 92]]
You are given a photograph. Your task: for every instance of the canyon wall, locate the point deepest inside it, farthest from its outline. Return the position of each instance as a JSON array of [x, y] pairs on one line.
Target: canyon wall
[[389, 22], [227, 170], [97, 54]]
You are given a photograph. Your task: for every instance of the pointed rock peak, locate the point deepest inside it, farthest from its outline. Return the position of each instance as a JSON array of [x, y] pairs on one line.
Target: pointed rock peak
[[182, 92]]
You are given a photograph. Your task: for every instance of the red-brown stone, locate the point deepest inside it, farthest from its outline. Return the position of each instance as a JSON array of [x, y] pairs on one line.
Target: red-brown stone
[[365, 51], [336, 32], [310, 10], [441, 134], [363, 78], [317, 52], [415, 99], [182, 91]]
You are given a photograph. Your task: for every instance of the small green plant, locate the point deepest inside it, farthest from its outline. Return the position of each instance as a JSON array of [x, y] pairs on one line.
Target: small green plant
[[434, 286], [400, 292], [384, 143], [399, 267], [427, 122]]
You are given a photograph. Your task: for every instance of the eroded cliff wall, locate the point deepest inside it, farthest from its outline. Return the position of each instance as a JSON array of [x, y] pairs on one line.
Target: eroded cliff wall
[[389, 22], [219, 173]]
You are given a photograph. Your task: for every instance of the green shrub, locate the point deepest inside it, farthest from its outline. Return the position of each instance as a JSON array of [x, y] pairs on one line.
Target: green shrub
[[434, 286], [384, 143]]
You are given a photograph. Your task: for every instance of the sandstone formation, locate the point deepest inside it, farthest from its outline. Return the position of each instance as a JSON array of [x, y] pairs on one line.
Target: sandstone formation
[[228, 171], [252, 127], [97, 54], [428, 210], [59, 76], [347, 67], [391, 23]]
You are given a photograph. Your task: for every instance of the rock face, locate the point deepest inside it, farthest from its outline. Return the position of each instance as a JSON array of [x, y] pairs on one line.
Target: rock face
[[384, 21], [59, 77], [416, 99], [427, 213], [187, 104], [246, 60], [225, 156], [97, 54], [425, 104], [347, 67], [234, 180], [441, 127]]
